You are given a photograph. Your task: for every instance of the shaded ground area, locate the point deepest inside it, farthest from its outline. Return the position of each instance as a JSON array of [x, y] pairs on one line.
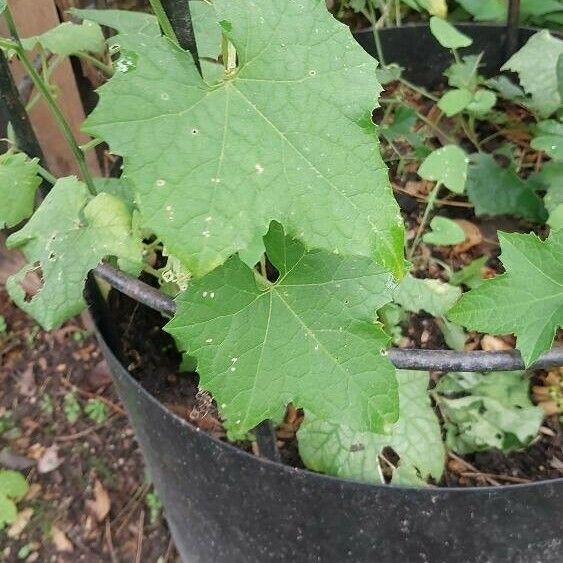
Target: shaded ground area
[[62, 426]]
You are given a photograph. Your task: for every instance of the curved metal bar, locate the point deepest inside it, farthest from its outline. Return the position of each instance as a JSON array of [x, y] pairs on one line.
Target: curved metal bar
[[414, 359]]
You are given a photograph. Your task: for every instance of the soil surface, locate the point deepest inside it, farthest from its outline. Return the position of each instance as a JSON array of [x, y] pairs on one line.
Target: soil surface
[[89, 498]]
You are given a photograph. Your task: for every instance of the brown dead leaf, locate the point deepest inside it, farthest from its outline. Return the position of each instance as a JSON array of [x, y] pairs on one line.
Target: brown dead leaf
[[20, 523], [473, 236], [50, 460], [62, 543], [33, 491], [26, 382], [101, 504], [419, 188], [491, 343]]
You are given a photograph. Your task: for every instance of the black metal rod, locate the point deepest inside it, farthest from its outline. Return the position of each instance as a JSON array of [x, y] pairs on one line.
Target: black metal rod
[[403, 358], [512, 27], [178, 12]]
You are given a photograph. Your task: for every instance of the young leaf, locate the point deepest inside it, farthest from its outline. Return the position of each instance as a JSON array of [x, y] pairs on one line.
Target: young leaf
[[549, 138], [447, 35], [13, 484], [260, 346], [536, 65], [470, 275], [495, 190], [8, 511], [68, 235], [455, 101], [447, 165], [416, 437], [444, 232], [288, 136], [482, 102], [527, 300], [69, 38], [433, 296], [464, 73], [495, 413], [18, 183]]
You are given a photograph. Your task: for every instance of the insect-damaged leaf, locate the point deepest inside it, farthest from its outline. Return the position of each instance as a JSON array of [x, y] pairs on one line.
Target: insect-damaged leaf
[[310, 338], [68, 235], [286, 136]]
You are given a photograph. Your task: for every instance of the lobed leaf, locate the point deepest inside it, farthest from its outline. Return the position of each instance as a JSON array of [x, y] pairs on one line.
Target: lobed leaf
[[536, 65], [526, 301], [416, 438], [68, 235], [310, 338], [288, 136]]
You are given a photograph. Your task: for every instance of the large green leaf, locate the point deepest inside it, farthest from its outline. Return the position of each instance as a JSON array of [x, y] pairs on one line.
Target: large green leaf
[[496, 411], [287, 136], [310, 338], [18, 183], [527, 300], [416, 438], [68, 235], [69, 38], [495, 190], [536, 65], [550, 178]]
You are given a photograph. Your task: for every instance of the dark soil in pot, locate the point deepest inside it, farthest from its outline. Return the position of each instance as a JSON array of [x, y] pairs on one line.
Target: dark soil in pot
[[151, 357]]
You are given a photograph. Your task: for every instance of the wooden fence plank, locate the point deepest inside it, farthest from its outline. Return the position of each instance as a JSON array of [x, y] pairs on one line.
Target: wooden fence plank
[[33, 17]]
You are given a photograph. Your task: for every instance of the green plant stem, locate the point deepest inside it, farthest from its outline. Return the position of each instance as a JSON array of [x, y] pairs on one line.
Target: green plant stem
[[92, 144], [106, 69], [44, 173], [374, 28], [163, 20], [418, 89], [432, 197], [43, 89]]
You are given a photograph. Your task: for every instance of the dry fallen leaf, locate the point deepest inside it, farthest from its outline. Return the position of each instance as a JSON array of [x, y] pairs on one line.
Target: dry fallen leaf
[[62, 543], [20, 523], [473, 236], [494, 344], [26, 382], [101, 504], [50, 460]]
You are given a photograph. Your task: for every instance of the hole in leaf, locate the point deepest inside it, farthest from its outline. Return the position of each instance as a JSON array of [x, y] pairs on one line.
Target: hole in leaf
[[32, 282]]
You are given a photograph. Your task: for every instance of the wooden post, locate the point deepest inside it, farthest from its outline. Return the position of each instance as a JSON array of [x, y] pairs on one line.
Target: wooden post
[[32, 18]]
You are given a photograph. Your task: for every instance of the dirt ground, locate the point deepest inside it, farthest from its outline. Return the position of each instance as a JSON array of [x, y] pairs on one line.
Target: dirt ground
[[62, 426]]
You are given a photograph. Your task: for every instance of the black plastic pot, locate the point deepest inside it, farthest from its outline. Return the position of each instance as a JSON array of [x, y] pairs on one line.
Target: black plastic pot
[[224, 505]]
